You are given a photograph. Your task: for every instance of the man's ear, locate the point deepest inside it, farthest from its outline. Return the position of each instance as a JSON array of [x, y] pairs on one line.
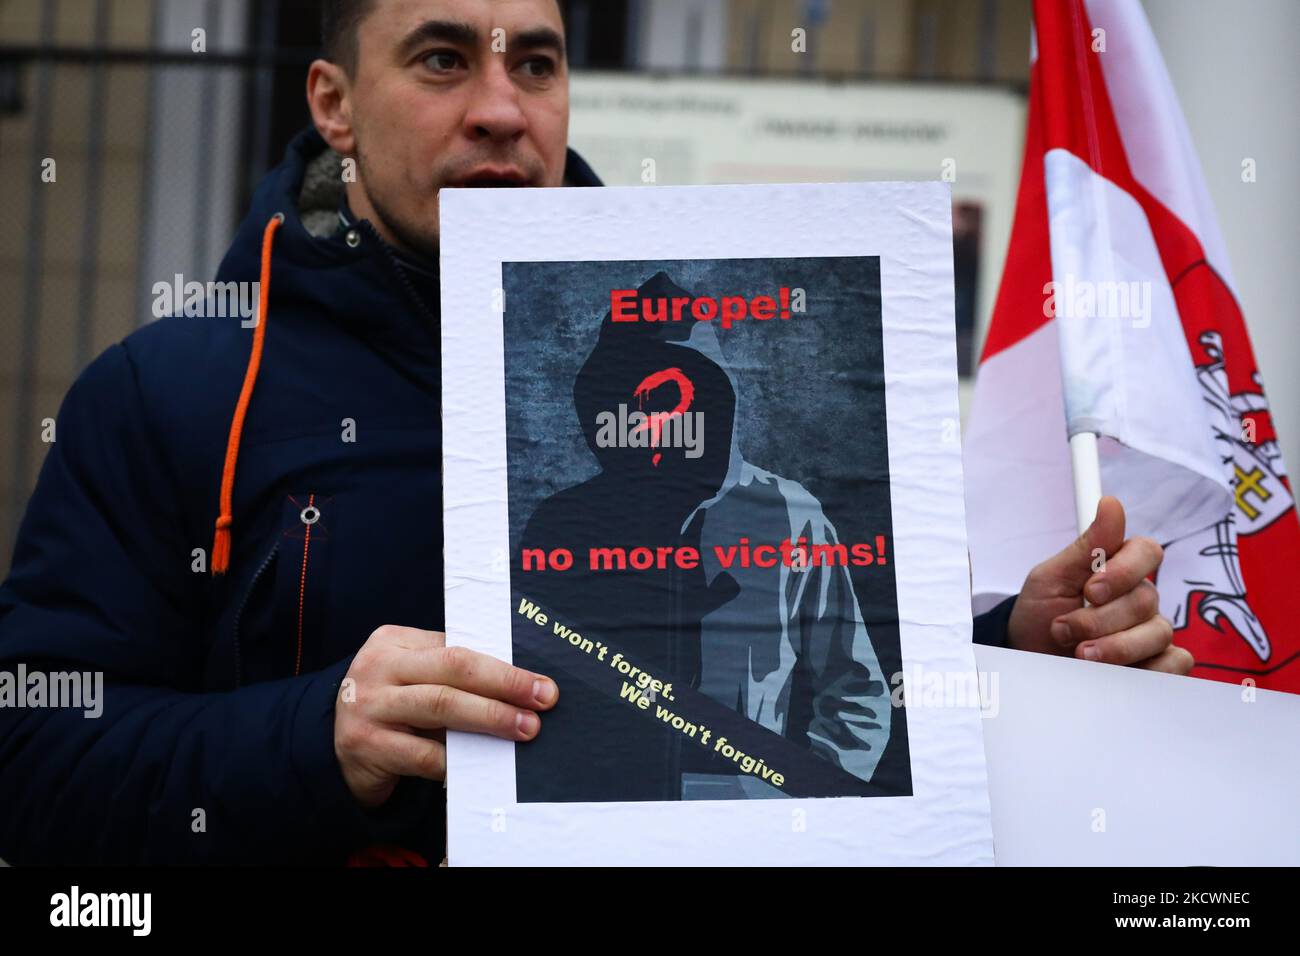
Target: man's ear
[[329, 97]]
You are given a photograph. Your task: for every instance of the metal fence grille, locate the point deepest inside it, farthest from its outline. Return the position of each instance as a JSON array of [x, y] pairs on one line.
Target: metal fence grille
[[133, 163]]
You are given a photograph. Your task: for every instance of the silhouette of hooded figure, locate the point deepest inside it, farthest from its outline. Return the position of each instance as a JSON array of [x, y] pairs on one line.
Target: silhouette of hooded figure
[[785, 647]]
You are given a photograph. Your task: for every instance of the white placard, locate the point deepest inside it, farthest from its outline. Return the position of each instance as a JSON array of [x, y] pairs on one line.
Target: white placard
[[1096, 765], [528, 283]]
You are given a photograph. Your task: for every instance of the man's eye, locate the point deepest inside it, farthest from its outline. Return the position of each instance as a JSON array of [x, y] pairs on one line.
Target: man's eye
[[443, 61], [538, 67]]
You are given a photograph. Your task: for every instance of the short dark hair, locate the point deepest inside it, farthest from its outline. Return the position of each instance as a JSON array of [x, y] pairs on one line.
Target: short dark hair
[[339, 20]]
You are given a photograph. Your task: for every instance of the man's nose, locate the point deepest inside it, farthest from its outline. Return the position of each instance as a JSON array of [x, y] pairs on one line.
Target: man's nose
[[494, 110]]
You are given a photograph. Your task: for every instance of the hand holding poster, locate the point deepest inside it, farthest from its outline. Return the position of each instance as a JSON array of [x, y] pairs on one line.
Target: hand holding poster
[[702, 469]]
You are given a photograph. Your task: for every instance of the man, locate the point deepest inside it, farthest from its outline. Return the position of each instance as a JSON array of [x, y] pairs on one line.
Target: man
[[220, 737]]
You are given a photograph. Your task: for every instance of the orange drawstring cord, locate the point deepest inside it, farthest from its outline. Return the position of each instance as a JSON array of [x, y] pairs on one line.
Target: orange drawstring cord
[[221, 542]]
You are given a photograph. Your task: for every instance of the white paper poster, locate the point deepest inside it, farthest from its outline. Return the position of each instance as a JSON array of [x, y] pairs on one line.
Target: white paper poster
[[702, 467]]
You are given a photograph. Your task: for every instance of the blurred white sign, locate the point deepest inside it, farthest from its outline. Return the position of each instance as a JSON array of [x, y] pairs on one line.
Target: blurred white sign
[[1097, 765], [654, 130]]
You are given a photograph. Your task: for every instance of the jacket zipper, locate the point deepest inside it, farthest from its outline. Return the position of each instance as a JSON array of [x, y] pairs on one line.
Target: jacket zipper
[[405, 280], [239, 615]]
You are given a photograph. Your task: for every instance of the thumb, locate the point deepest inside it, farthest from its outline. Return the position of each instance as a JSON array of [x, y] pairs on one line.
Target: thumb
[[1102, 538]]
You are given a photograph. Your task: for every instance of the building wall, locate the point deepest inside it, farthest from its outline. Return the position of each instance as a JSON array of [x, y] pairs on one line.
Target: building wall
[[146, 162], [921, 39]]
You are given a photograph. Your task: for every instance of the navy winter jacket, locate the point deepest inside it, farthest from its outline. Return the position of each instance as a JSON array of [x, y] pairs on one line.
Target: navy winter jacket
[[216, 739]]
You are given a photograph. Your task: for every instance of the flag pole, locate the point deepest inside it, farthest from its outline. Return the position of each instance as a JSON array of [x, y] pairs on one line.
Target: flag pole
[[1086, 466]]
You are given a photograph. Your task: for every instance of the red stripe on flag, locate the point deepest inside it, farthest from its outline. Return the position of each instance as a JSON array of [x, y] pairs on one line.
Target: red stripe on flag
[[1018, 310]]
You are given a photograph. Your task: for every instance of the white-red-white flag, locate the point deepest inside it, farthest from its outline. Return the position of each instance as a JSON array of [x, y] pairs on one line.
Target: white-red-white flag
[[1117, 315]]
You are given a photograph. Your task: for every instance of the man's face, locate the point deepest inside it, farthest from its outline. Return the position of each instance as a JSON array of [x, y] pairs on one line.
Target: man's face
[[455, 93]]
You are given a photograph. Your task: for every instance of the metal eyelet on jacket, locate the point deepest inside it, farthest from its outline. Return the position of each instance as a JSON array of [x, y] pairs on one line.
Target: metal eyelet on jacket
[[353, 238], [310, 515]]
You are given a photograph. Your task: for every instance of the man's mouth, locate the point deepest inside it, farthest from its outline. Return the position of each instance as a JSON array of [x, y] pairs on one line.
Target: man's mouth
[[487, 177]]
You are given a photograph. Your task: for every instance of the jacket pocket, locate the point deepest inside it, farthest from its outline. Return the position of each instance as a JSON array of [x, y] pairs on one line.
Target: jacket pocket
[[279, 627], [302, 576]]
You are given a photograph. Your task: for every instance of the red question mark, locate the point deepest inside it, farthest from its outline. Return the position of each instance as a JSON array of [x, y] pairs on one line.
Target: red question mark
[[656, 419]]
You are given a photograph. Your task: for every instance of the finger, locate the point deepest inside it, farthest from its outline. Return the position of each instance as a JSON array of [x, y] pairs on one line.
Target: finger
[[1090, 623], [1124, 570], [407, 755], [410, 638], [477, 673], [1138, 643], [1104, 537], [1172, 660], [429, 706]]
